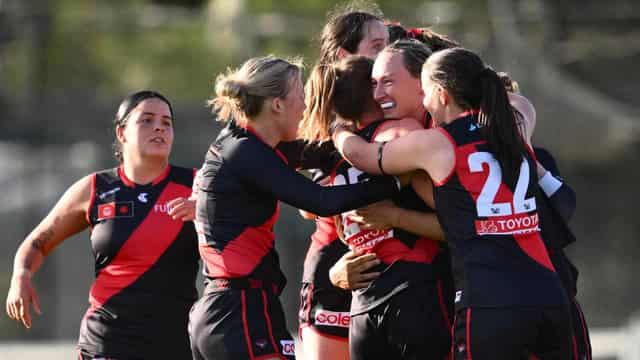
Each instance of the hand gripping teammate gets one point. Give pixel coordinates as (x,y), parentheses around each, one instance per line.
(510,303)
(239,315)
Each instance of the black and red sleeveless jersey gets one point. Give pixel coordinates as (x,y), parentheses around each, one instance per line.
(499,256)
(406,257)
(242,180)
(145,265)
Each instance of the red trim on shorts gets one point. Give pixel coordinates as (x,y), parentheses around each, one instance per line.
(587,341)
(92,199)
(575,347)
(468,332)
(321,334)
(443,306)
(245,325)
(453,169)
(268,319)
(453,339)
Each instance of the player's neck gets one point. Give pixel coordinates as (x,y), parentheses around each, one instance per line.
(267,130)
(144,172)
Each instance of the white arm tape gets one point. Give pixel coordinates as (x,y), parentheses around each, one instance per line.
(549,184)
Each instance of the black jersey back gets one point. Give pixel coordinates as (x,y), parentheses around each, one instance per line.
(499,257)
(145,265)
(242,180)
(406,257)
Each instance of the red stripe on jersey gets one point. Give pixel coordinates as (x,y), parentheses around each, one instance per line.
(393,249)
(241,255)
(141,250)
(473,182)
(325,233)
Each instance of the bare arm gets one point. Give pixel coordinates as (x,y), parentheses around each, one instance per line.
(67,218)
(427,150)
(528,112)
(385,215)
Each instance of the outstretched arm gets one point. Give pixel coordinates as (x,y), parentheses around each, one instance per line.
(67,217)
(267,172)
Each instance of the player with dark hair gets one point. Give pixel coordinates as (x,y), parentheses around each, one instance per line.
(144,246)
(510,303)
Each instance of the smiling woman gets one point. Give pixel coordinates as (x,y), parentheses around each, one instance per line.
(243,179)
(143,243)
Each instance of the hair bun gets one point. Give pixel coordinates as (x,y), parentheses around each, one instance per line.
(229,87)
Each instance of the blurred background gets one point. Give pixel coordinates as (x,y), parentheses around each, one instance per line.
(65,65)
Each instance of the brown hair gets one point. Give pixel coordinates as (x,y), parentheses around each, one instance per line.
(345,29)
(435,41)
(473,85)
(344,88)
(414,54)
(241,93)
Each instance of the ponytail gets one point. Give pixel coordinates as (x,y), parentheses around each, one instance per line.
(500,127)
(318,115)
(473,85)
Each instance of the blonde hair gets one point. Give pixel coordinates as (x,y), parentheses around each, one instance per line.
(241,93)
(319,111)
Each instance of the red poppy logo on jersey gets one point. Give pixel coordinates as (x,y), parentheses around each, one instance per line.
(115,210)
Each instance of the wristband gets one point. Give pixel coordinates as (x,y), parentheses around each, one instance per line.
(549,184)
(380,149)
